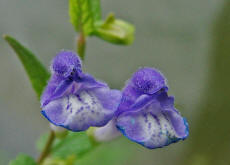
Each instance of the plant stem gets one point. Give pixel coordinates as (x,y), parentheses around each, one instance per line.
(47,147)
(81,43)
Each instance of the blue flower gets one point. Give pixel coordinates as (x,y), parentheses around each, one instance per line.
(74,99)
(146,114)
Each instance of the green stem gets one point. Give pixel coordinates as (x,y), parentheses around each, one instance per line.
(47,148)
(81,44)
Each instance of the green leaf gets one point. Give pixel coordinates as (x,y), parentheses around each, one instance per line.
(40,143)
(23,160)
(37,73)
(75,143)
(57,161)
(95,10)
(84,14)
(112,153)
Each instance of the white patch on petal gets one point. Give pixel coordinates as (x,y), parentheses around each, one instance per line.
(148,129)
(158,130)
(80,111)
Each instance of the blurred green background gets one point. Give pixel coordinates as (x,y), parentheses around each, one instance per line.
(189,41)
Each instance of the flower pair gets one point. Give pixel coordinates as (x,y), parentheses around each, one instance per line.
(143,111)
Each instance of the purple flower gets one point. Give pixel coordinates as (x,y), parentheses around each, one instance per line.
(75,100)
(146,114)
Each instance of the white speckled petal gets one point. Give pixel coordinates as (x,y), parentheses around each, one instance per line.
(77,112)
(150,127)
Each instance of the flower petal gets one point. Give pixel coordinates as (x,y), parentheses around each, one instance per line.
(155,124)
(77,112)
(146,81)
(64,63)
(107,132)
(89,82)
(53,83)
(180,124)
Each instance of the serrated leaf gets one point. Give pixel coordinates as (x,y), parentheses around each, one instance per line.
(36,72)
(23,160)
(75,143)
(84,14)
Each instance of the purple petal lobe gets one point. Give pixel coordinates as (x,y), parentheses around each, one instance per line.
(53,84)
(79,112)
(153,125)
(148,80)
(146,114)
(65,63)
